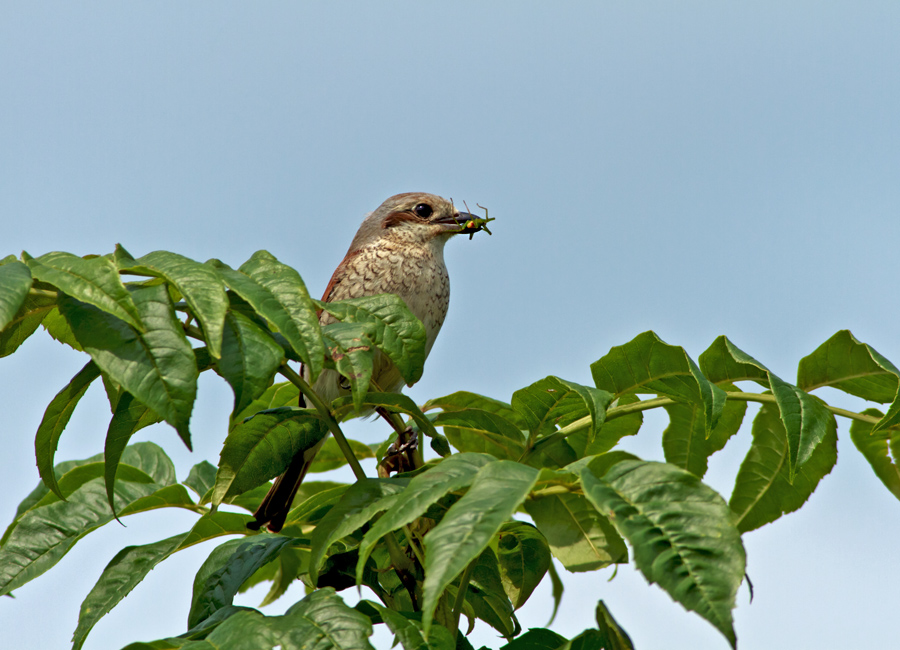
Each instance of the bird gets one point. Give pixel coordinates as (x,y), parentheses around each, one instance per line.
(398,249)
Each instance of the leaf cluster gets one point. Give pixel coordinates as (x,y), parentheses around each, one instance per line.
(470,533)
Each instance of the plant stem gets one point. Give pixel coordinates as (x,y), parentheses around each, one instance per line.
(292,376)
(461,599)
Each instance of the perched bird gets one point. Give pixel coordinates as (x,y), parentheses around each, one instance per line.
(398,249)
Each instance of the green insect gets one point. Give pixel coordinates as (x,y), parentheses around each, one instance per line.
(474,225)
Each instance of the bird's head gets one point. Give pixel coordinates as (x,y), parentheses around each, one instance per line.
(416,218)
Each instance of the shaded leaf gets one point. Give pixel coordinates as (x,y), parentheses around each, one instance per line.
(685,441)
(276,395)
(454,473)
(225,570)
(498,490)
(880,449)
(763,490)
(523,556)
(263,446)
(249,359)
(682,533)
(552,402)
(201,478)
(352,352)
(25,322)
(612,635)
(481,431)
(55,419)
(331,457)
(462,400)
(408,632)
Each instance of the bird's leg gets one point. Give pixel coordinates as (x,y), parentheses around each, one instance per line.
(401,455)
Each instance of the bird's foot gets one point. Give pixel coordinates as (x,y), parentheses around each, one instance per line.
(401,455)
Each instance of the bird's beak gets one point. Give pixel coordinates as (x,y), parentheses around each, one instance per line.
(456,223)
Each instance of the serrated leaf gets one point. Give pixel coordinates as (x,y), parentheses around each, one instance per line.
(200,286)
(55,419)
(43,535)
(408,631)
(393,328)
(498,490)
(263,447)
(59,328)
(15,281)
(454,473)
(763,489)
(646,364)
(249,360)
(523,555)
(299,328)
(121,575)
(804,417)
(880,449)
(359,503)
(480,431)
(94,281)
(157,367)
(225,570)
(682,533)
(579,536)
(856,368)
(287,289)
(462,400)
(685,441)
(552,402)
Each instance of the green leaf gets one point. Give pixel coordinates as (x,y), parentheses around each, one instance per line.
(763,489)
(226,569)
(394,329)
(553,402)
(498,490)
(291,564)
(682,533)
(805,418)
(351,350)
(685,441)
(361,501)
(481,431)
(523,556)
(408,632)
(300,328)
(201,478)
(613,636)
(454,473)
(290,295)
(121,575)
(200,286)
(396,402)
(58,327)
(314,504)
(276,395)
(249,359)
(157,367)
(536,639)
(337,625)
(25,322)
(844,363)
(45,533)
(15,281)
(880,449)
(646,364)
(462,400)
(486,596)
(130,416)
(55,419)
(331,457)
(263,447)
(579,536)
(94,281)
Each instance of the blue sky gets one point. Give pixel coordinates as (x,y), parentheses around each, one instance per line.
(696,169)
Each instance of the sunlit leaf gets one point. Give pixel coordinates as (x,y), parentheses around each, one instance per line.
(249,359)
(15,281)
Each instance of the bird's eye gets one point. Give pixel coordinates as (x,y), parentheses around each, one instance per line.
(423,210)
